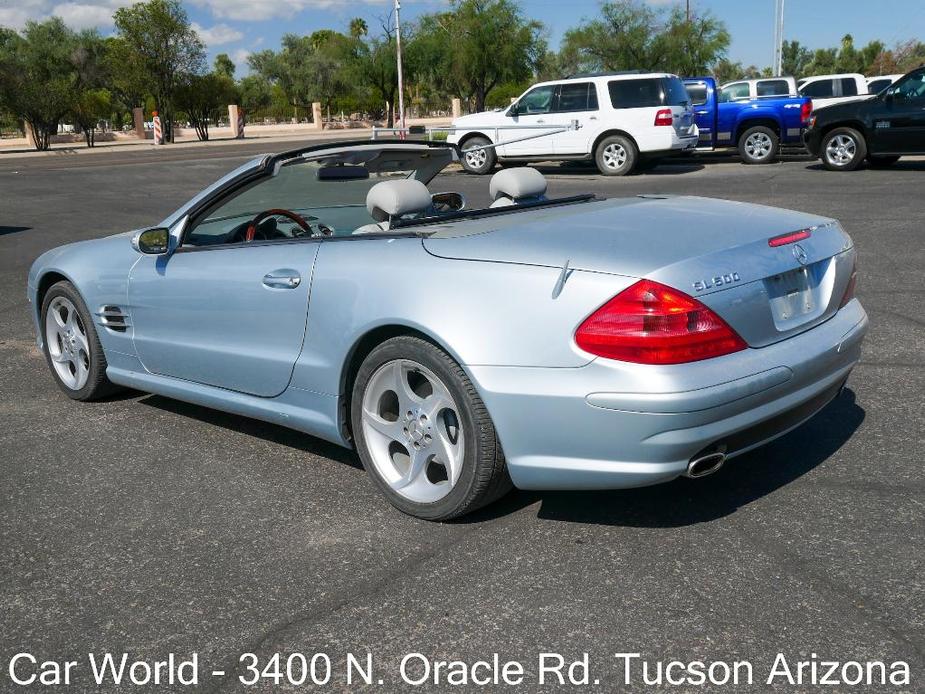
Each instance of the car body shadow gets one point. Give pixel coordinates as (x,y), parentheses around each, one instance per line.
(12,230)
(904,164)
(679,503)
(685,502)
(670,166)
(255,427)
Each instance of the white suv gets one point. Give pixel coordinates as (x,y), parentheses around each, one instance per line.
(625,120)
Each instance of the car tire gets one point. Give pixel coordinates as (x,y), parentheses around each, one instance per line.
(439,458)
(616,155)
(843,149)
(71,345)
(881,162)
(759,145)
(480,162)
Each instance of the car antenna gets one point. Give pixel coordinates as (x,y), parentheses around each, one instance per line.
(560,283)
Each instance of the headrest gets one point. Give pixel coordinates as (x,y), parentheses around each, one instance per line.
(517,183)
(395,198)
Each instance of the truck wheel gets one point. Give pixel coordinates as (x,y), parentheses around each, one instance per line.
(478,161)
(759,145)
(843,149)
(881,162)
(615,156)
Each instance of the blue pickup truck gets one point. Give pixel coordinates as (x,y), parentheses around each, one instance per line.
(757,126)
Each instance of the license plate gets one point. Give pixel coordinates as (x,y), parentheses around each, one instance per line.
(791,295)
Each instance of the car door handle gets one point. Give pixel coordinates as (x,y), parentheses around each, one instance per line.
(702,113)
(592,117)
(282,279)
(540,121)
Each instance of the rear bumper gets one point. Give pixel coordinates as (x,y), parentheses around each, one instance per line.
(610,425)
(812,141)
(666,140)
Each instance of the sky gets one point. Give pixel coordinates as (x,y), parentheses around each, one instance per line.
(239,27)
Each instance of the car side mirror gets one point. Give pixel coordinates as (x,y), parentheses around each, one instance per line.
(448,202)
(154,241)
(514,111)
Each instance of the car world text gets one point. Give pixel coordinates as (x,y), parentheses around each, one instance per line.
(416,669)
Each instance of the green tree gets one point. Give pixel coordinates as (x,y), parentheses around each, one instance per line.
(37,76)
(690,46)
(822,62)
(92,102)
(848,59)
(255,93)
(376,69)
(203,98)
(224,65)
(160,39)
(358,28)
(622,38)
(795,58)
(127,78)
(308,68)
(482,44)
(89,107)
(631,35)
(867,56)
(727,71)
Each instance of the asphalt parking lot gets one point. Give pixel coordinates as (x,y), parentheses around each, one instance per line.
(148,525)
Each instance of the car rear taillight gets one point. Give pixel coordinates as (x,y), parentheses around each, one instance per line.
(789,237)
(852,283)
(664,117)
(650,323)
(806,111)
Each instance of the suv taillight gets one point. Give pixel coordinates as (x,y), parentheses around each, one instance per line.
(650,323)
(806,111)
(664,117)
(852,284)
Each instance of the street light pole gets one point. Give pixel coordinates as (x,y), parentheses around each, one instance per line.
(401,86)
(778,36)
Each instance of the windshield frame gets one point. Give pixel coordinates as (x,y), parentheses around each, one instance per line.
(269,166)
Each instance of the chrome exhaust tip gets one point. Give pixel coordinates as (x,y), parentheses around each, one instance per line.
(704,465)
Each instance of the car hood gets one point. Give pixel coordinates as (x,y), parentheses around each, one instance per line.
(842,109)
(480,118)
(645,236)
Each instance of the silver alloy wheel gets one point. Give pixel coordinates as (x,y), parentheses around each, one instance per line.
(758,145)
(476,158)
(614,156)
(412,429)
(841,150)
(68,346)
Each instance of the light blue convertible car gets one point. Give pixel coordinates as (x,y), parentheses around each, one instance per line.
(550,343)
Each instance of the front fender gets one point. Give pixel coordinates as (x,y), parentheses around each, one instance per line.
(99,271)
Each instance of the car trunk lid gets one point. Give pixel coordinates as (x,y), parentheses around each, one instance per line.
(714,250)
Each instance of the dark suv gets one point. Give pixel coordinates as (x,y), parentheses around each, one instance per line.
(879,128)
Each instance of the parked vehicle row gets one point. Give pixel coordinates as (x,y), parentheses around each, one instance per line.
(629,121)
(626,120)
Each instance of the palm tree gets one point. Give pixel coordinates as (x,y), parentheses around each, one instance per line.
(358,27)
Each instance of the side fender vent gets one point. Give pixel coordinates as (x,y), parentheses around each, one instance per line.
(113,318)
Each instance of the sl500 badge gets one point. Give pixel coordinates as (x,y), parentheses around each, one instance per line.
(716,281)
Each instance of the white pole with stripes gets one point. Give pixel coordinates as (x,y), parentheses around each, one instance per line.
(401,86)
